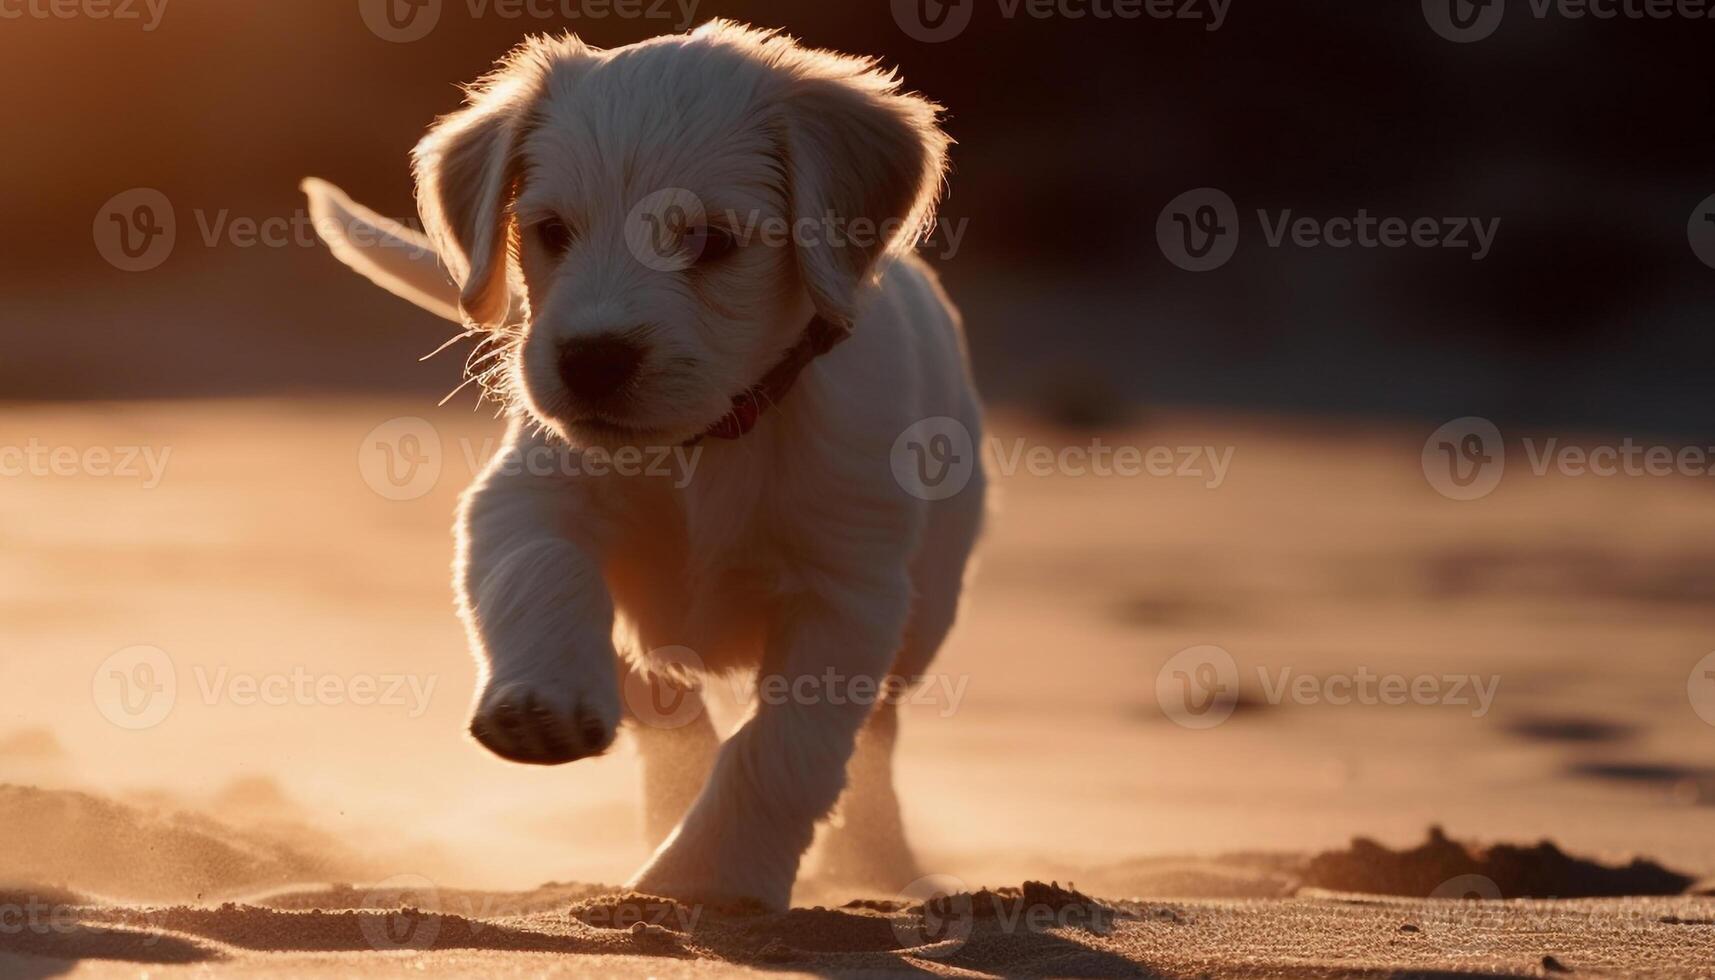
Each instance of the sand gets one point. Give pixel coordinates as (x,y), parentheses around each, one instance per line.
(1039,929)
(238,836)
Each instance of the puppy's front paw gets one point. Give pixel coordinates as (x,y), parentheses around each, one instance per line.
(542,724)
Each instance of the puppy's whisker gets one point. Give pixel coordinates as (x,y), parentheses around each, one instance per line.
(473,332)
(466,383)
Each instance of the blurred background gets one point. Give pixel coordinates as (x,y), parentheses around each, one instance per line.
(266,369)
(1585,138)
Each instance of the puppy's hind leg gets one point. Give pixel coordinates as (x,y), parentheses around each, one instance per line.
(678,744)
(865,843)
(784,768)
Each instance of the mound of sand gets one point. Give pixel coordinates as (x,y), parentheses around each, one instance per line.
(1445,868)
(145,854)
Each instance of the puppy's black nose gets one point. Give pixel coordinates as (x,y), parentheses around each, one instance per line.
(594,369)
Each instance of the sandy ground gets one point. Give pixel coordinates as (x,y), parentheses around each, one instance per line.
(245,684)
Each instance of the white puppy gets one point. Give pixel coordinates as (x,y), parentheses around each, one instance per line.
(666,245)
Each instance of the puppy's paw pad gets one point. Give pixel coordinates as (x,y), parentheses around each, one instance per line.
(522,723)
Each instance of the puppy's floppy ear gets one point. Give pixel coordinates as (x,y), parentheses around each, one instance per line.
(866,160)
(468,168)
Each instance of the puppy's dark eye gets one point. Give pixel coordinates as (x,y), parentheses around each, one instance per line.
(554,234)
(710,244)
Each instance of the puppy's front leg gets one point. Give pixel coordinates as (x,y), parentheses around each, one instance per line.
(538,612)
(784,768)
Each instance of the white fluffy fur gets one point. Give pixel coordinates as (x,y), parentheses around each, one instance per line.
(794,551)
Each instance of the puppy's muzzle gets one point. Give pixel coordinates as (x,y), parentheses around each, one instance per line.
(597,369)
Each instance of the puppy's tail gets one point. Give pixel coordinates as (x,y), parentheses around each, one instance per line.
(400,260)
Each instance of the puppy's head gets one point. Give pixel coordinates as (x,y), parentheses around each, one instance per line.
(652,227)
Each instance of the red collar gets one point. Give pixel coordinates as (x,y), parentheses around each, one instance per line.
(820,337)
